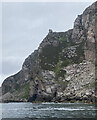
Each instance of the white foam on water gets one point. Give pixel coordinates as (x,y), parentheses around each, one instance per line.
(62,103)
(65,109)
(48,103)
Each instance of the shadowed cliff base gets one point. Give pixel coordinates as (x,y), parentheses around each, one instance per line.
(49,119)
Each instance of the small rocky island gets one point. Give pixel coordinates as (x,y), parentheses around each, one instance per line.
(62,69)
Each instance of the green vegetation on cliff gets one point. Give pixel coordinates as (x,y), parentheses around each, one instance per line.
(49,57)
(26,91)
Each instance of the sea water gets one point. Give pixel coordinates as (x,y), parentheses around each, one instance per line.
(48,110)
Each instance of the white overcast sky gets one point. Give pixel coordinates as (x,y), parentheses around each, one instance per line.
(24,25)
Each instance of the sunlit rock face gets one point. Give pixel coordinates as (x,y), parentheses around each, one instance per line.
(63,67)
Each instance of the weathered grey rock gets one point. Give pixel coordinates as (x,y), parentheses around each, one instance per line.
(61,69)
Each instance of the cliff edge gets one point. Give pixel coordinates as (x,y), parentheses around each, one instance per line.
(62,68)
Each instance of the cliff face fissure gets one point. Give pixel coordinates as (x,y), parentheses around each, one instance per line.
(62,69)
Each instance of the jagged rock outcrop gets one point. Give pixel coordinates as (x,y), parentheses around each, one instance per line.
(63,67)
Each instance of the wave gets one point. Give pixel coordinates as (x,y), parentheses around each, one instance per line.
(65,109)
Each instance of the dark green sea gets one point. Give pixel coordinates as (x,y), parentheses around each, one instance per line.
(54,111)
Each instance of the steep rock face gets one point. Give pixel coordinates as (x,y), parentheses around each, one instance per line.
(16,81)
(84,30)
(61,69)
